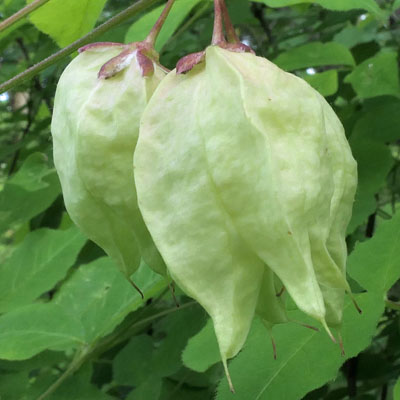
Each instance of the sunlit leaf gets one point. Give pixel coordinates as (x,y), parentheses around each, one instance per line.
(100,296)
(325,82)
(376,76)
(335,5)
(314,54)
(66,21)
(396,391)
(139,30)
(306,359)
(31,329)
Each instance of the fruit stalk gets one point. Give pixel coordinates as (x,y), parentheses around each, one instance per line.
(218,31)
(229,28)
(152,36)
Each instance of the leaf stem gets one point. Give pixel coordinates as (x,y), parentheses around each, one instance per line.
(21,14)
(134,9)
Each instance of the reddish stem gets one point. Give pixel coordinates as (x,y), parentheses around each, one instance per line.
(218,33)
(152,36)
(230,30)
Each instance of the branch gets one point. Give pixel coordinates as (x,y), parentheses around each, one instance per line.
(134,9)
(392,305)
(21,14)
(76,363)
(87,352)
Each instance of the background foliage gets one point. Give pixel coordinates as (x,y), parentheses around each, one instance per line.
(72,328)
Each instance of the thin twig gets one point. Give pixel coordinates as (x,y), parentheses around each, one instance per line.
(76,363)
(392,305)
(31,107)
(29,123)
(129,12)
(21,14)
(88,352)
(152,36)
(113,341)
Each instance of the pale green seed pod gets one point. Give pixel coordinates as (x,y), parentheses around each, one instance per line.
(237,163)
(95,128)
(197,238)
(292,138)
(328,236)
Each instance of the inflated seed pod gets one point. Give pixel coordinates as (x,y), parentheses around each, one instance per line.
(182,207)
(263,157)
(95,128)
(268,150)
(328,236)
(291,169)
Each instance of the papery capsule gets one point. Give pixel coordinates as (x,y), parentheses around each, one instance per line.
(95,127)
(240,162)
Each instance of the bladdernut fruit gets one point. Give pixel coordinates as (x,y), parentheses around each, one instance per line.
(243,169)
(99,101)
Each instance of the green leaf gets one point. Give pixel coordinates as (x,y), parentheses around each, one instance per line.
(67,21)
(315,54)
(36,265)
(138,352)
(352,35)
(364,206)
(396,391)
(306,359)
(179,327)
(374,264)
(396,5)
(165,359)
(173,390)
(44,359)
(374,163)
(26,194)
(376,76)
(377,127)
(325,82)
(335,5)
(76,387)
(140,29)
(13,386)
(100,296)
(31,174)
(29,330)
(150,389)
(380,121)
(202,350)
